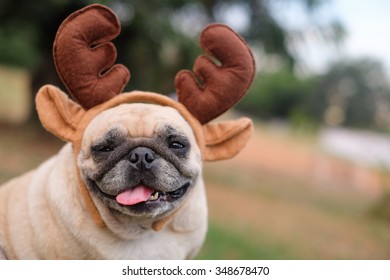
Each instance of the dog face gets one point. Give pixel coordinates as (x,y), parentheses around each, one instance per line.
(140,159)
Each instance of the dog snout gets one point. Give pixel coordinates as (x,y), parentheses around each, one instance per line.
(142,158)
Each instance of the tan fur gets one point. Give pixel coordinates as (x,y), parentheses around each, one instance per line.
(49,213)
(42,214)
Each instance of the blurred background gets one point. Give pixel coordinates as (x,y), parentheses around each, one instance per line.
(313,182)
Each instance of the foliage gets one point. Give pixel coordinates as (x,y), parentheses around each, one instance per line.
(277,95)
(353,93)
(156,39)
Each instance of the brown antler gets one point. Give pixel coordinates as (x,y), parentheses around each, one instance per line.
(84,57)
(212,89)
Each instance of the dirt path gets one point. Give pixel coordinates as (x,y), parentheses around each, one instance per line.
(298,159)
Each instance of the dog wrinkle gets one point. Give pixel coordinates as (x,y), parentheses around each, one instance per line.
(111,140)
(125,127)
(107,162)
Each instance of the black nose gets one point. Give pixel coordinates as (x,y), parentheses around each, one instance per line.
(142,157)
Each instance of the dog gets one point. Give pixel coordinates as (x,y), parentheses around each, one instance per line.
(128,184)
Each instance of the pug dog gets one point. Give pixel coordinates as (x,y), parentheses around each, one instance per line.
(128,184)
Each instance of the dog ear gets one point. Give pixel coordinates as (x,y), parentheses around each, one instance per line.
(226,139)
(58,114)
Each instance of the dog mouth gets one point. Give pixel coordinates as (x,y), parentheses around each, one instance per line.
(142,194)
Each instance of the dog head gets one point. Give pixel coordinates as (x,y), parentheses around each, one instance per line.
(140,159)
(140,153)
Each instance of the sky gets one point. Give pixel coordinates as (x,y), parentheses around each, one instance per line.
(366,23)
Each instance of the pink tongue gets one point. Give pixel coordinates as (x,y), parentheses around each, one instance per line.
(135,195)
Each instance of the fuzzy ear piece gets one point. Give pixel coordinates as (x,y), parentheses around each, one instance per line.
(226,139)
(58,114)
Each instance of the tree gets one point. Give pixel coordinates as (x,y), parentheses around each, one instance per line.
(277,95)
(353,93)
(157,38)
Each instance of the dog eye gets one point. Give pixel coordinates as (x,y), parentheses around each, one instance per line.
(102,149)
(176,145)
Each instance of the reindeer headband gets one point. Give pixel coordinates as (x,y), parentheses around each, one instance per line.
(85,57)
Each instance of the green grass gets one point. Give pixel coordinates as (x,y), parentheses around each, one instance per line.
(224,243)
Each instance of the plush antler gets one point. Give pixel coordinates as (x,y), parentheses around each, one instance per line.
(84,57)
(212,89)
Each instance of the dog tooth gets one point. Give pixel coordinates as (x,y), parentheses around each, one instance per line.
(154,196)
